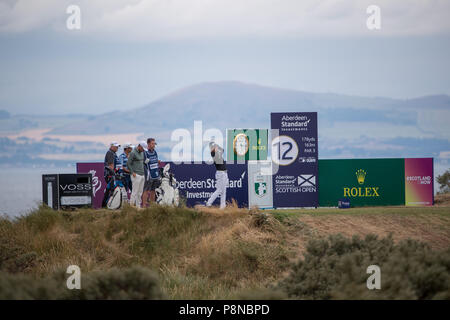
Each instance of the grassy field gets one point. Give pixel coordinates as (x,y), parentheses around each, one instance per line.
(199,253)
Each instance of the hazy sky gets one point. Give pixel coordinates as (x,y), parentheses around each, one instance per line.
(128,53)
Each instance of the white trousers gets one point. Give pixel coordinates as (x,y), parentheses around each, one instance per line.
(221,189)
(138,188)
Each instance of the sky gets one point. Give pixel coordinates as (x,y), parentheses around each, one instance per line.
(128,53)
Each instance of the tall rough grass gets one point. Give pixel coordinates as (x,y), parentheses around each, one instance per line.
(195,253)
(206,253)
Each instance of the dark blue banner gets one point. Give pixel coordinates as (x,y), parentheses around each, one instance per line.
(294,159)
(196,182)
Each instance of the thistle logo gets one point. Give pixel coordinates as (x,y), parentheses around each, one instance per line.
(361,176)
(361,191)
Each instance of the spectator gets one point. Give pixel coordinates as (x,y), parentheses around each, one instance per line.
(152,176)
(135,165)
(123,159)
(111,162)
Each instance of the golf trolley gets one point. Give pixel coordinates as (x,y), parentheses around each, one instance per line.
(167,193)
(117,192)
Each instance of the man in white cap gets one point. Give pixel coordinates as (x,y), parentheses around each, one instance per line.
(111,162)
(135,165)
(221,176)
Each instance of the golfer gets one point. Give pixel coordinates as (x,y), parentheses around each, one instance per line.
(221,176)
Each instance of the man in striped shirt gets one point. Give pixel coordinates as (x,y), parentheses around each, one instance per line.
(123,160)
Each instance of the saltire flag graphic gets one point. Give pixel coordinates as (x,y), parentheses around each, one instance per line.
(307,180)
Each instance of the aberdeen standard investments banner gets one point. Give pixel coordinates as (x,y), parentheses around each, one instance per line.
(196,182)
(294,159)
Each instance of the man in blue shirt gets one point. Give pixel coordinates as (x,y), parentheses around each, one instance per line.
(123,160)
(152,175)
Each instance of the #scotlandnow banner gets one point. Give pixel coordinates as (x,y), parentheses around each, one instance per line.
(419,187)
(294,158)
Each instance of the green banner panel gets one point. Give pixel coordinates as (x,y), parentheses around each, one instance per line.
(246,144)
(366,182)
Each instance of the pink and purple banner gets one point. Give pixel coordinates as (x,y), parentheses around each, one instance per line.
(419,189)
(98,181)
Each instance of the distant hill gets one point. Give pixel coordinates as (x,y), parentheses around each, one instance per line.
(236,104)
(349,126)
(4,114)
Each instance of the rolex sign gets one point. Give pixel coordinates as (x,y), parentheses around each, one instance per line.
(246,144)
(365,182)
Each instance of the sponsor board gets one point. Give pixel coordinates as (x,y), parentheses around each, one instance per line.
(365,182)
(294,159)
(67,190)
(419,186)
(344,203)
(246,144)
(96,169)
(75,189)
(260,184)
(196,182)
(50,190)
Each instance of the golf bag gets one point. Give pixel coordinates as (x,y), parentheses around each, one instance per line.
(167,193)
(117,192)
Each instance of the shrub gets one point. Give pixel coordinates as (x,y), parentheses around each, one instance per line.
(132,283)
(335,268)
(24,287)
